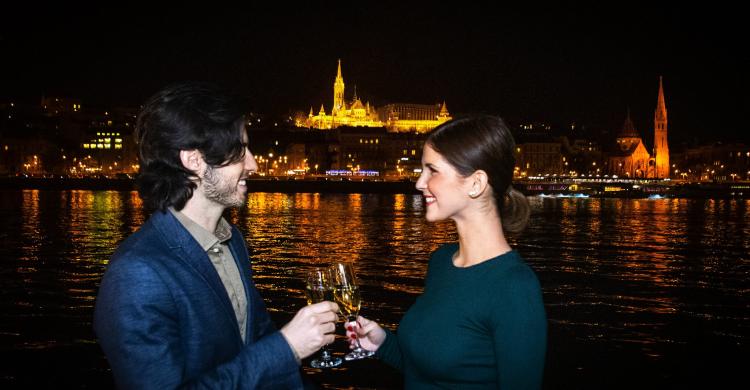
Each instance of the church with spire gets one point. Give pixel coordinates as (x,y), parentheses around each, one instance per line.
(661,146)
(394,117)
(630,157)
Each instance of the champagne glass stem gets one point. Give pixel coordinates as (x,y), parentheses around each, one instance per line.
(355,325)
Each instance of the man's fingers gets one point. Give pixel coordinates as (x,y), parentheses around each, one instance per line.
(329,327)
(326,317)
(322,307)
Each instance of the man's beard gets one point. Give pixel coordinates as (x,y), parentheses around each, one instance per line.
(217,189)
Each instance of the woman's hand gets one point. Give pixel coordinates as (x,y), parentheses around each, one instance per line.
(371,335)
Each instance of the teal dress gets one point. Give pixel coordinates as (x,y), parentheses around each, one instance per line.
(478,327)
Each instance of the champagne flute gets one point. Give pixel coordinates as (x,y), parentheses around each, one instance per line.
(346,294)
(318,288)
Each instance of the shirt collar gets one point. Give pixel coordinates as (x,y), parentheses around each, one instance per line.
(204,238)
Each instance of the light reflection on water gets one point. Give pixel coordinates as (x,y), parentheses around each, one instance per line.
(647,286)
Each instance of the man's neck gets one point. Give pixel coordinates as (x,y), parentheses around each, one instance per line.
(203,212)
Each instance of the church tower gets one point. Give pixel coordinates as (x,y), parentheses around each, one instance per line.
(661,147)
(628,137)
(338,93)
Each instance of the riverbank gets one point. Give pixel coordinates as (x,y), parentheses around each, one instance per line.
(634,190)
(279,185)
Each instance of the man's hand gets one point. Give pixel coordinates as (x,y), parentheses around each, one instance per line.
(311,328)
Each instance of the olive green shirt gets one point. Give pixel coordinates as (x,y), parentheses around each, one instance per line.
(215,245)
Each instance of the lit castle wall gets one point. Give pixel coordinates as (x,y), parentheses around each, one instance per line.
(394,117)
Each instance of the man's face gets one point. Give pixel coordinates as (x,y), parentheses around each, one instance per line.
(227,185)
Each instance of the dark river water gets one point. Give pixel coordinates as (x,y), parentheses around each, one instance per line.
(646,293)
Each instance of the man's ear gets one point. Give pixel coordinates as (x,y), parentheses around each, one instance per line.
(192,160)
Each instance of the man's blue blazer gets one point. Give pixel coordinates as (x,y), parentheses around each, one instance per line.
(164,319)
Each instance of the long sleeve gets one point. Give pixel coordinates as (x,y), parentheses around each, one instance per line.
(141,324)
(390,351)
(520,333)
(256,366)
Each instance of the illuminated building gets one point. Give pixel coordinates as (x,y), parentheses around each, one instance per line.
(104,140)
(379,150)
(394,117)
(108,146)
(715,162)
(420,118)
(343,113)
(661,146)
(539,158)
(631,158)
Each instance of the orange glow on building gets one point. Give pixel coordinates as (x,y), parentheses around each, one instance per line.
(661,146)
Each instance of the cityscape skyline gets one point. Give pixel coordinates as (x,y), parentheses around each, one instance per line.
(572,66)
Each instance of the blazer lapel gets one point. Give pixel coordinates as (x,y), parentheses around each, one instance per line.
(190,253)
(242,259)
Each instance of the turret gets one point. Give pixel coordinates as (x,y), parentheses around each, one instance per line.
(338,92)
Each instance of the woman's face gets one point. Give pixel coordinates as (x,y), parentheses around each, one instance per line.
(445,191)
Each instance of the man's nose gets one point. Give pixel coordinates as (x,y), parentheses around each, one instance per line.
(250,163)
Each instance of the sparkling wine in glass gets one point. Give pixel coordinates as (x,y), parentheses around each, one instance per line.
(346,294)
(318,288)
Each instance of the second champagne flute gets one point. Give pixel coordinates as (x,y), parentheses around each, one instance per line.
(346,293)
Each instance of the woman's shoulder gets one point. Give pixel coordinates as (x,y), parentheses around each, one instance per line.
(447,248)
(444,251)
(514,268)
(513,288)
(512,280)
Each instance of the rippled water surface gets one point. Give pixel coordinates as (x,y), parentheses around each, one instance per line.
(638,292)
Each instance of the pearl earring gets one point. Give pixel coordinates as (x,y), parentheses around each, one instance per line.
(472,193)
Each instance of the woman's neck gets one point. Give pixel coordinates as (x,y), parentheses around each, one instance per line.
(480,238)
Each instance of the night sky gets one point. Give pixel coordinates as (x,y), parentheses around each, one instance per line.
(585,65)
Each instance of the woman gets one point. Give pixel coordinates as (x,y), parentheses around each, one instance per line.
(480,322)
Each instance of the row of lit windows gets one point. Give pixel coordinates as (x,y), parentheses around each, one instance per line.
(108,140)
(107,134)
(544,127)
(101,146)
(369,141)
(413,152)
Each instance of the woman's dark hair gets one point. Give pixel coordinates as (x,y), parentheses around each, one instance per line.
(484,142)
(185,116)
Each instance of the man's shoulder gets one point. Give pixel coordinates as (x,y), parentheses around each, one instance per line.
(147,241)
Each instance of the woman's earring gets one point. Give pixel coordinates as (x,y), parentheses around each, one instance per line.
(472,193)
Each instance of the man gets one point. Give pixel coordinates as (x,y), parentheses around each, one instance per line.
(177,306)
